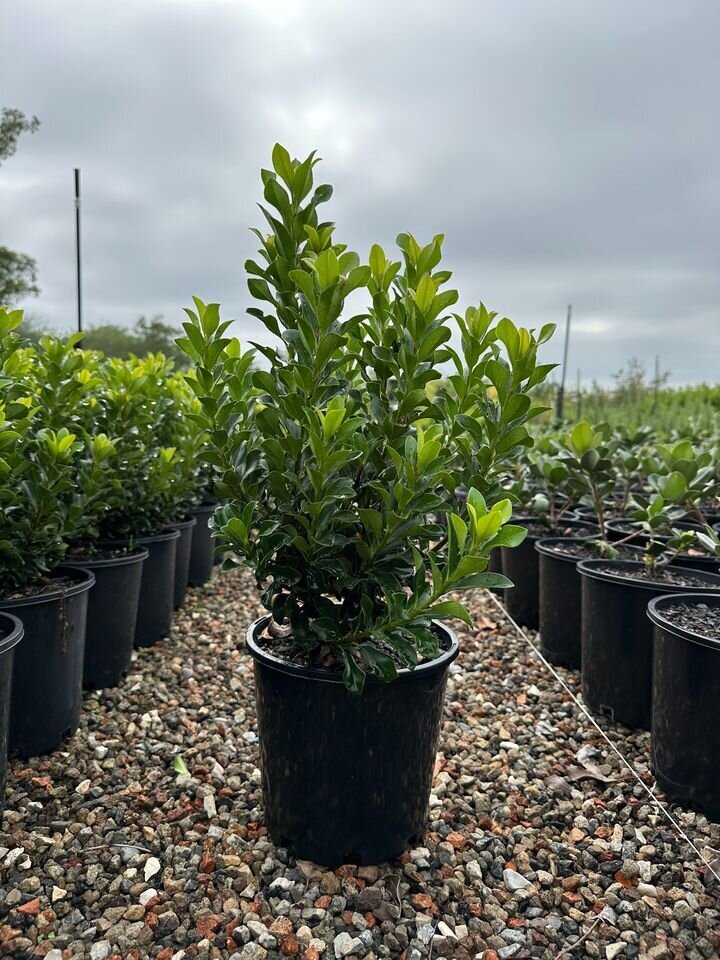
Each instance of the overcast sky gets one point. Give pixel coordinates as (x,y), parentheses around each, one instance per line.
(568,150)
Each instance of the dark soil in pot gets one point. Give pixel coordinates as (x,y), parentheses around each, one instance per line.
(11,633)
(520,564)
(157,586)
(182,558)
(112,614)
(202,546)
(346,779)
(617,642)
(48,664)
(686,706)
(560,597)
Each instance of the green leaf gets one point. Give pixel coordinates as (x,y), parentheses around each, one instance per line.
(380,663)
(451,608)
(179,765)
(327,269)
(282,164)
(488,580)
(425,293)
(353,675)
(674,486)
(581,437)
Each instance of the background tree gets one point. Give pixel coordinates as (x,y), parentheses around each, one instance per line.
(112,339)
(18,271)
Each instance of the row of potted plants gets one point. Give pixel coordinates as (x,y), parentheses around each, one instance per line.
(102,523)
(637,522)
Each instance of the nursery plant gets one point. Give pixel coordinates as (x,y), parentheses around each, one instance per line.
(137,406)
(39,459)
(691,470)
(335,456)
(39,463)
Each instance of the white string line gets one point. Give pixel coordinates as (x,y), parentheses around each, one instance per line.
(650,792)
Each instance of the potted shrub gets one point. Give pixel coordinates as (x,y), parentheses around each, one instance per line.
(584,457)
(333,463)
(37,477)
(67,381)
(148,497)
(549,514)
(685,715)
(616,636)
(184,432)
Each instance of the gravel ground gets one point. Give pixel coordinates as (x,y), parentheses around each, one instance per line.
(536,835)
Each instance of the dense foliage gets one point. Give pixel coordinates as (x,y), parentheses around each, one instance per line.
(338,460)
(89,448)
(663,490)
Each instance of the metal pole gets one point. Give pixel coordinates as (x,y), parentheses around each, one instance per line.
(78,257)
(561,392)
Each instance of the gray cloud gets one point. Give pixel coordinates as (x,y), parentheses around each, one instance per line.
(568,151)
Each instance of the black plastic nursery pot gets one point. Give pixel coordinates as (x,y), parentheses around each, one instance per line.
(112,617)
(11,633)
(182,558)
(559,603)
(520,565)
(495,565)
(346,778)
(686,707)
(617,637)
(202,546)
(48,664)
(157,585)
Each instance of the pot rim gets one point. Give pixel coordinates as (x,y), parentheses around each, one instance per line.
(573,522)
(13,638)
(138,555)
(183,524)
(85,578)
(171,534)
(590,569)
(329,676)
(543,547)
(654,612)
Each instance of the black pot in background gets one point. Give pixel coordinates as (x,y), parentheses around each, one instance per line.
(48,666)
(686,708)
(617,643)
(588,513)
(202,547)
(11,633)
(346,779)
(182,558)
(495,565)
(112,617)
(157,585)
(520,564)
(559,603)
(560,600)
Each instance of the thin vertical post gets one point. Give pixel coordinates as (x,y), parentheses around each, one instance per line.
(78,255)
(561,392)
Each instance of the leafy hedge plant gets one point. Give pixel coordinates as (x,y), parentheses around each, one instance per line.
(37,471)
(146,409)
(88,448)
(336,459)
